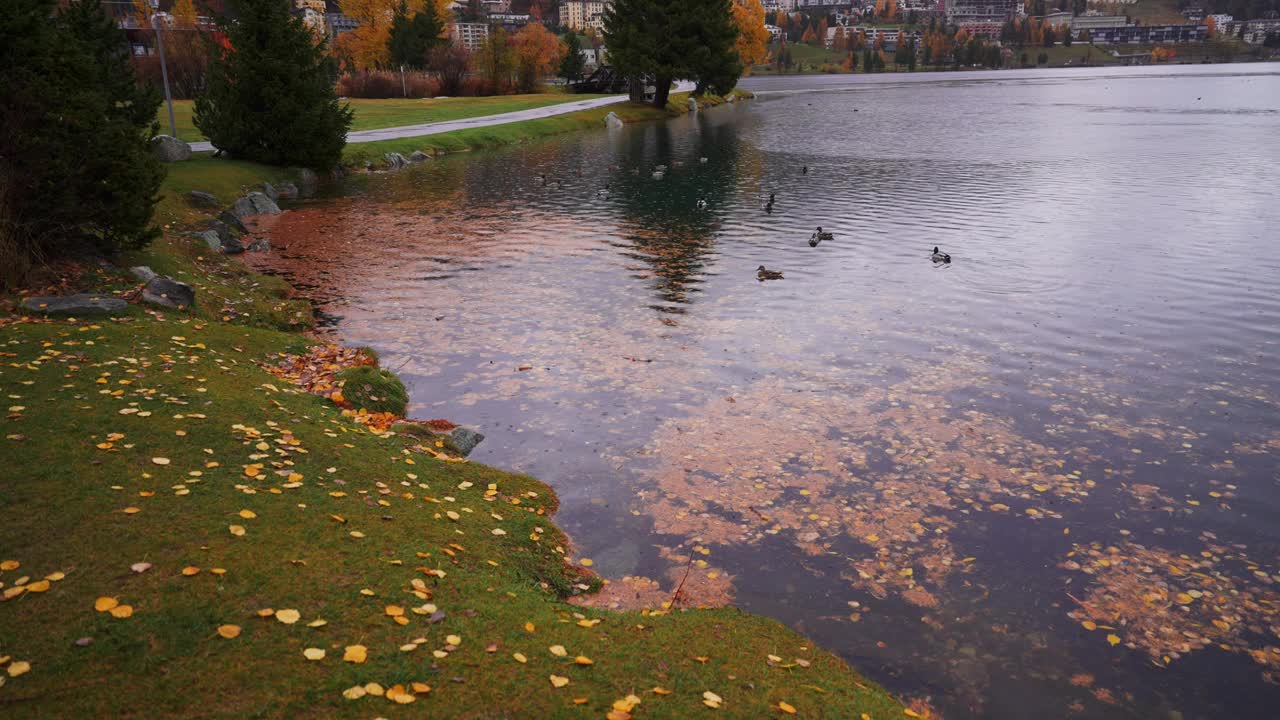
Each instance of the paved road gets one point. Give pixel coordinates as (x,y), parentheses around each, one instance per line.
(405,131)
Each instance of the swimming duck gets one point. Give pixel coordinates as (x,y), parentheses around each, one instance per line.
(702,204)
(763,273)
(657,174)
(542,178)
(804,170)
(702,160)
(818,236)
(604,191)
(939,256)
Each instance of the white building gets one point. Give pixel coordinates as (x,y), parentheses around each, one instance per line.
(579,15)
(774,31)
(469,35)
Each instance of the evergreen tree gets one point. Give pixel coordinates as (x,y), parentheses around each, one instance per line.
(670,39)
(76,173)
(572,66)
(714,63)
(868,64)
(911,56)
(271,97)
(412,39)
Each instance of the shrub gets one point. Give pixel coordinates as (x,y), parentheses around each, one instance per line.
(450,65)
(369,388)
(76,173)
(271,98)
(387,84)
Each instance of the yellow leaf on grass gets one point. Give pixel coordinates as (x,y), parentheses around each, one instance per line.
(1113,639)
(354,693)
(131,510)
(394,610)
(520,658)
(122,611)
(18,668)
(248,514)
(229,631)
(1089,625)
(786,708)
(587,562)
(160,460)
(237,530)
(658,690)
(190,570)
(318,622)
(559,681)
(355,654)
(313,654)
(584,660)
(288,616)
(7,565)
(103,604)
(528,627)
(558,650)
(38,586)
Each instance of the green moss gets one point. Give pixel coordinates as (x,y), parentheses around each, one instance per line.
(369,388)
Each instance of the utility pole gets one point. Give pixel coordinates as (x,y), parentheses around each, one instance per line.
(164,68)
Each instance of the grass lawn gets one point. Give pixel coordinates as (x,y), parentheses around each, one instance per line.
(292,556)
(1076,55)
(1155,12)
(372,114)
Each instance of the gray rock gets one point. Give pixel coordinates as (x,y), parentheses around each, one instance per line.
(395,160)
(232,246)
(419,156)
(210,238)
(263,204)
(307,181)
(465,439)
(258,245)
(227,224)
(270,192)
(288,191)
(170,149)
(612,121)
(202,199)
(242,208)
(83,304)
(169,293)
(143,273)
(693,105)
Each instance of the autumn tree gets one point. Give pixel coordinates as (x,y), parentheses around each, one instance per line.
(271,94)
(496,61)
(449,64)
(537,53)
(748,16)
(369,43)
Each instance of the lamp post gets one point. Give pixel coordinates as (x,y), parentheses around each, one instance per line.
(164,68)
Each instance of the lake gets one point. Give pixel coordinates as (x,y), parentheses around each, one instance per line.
(1040,480)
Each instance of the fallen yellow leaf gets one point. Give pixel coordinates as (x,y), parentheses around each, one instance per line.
(584,660)
(355,654)
(229,631)
(1113,639)
(520,658)
(559,681)
(103,604)
(190,570)
(237,530)
(558,650)
(18,668)
(160,460)
(122,611)
(288,616)
(313,654)
(786,708)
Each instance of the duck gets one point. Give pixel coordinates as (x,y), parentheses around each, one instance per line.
(604,191)
(702,160)
(702,204)
(939,257)
(542,178)
(818,236)
(804,170)
(657,174)
(763,273)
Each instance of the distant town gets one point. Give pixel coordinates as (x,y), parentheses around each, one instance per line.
(860,35)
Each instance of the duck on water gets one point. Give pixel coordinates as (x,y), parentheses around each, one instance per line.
(939,257)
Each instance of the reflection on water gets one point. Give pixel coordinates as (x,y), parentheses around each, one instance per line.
(1040,480)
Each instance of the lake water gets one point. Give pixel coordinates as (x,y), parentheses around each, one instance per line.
(1039,481)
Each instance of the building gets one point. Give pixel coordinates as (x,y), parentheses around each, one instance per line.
(1148,34)
(889,37)
(578,15)
(982,27)
(1094,22)
(337,23)
(312,14)
(775,32)
(960,10)
(511,22)
(1256,31)
(1057,18)
(1221,20)
(469,35)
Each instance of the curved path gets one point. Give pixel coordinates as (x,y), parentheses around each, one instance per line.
(435,128)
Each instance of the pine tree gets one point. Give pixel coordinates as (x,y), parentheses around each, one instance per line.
(411,39)
(714,63)
(271,97)
(670,39)
(571,67)
(76,173)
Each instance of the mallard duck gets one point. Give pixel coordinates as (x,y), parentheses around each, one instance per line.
(702,204)
(939,256)
(818,236)
(763,273)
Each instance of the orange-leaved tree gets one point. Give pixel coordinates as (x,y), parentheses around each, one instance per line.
(366,46)
(748,15)
(538,52)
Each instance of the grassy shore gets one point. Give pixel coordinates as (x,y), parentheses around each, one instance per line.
(275,529)
(373,114)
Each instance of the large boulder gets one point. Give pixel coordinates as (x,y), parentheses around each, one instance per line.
(202,199)
(168,148)
(227,223)
(693,105)
(465,439)
(395,160)
(270,191)
(83,304)
(255,203)
(612,121)
(307,181)
(169,293)
(211,238)
(288,191)
(419,156)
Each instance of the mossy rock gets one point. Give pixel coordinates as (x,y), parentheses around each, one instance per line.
(369,388)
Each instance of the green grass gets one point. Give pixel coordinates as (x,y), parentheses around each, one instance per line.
(174,415)
(1077,55)
(524,131)
(373,114)
(374,389)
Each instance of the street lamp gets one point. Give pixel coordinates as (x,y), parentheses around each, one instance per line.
(164,68)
